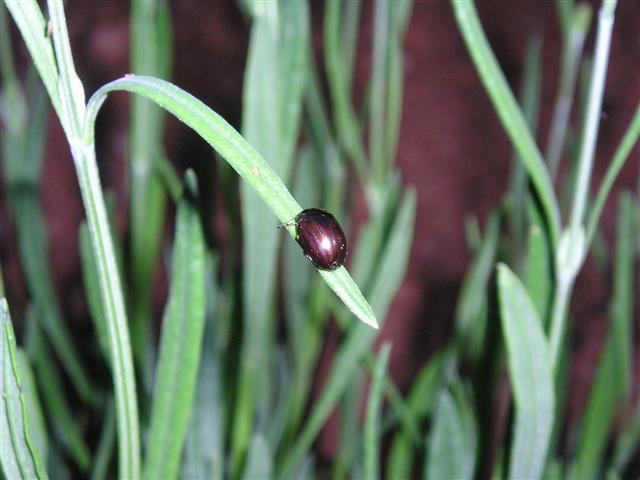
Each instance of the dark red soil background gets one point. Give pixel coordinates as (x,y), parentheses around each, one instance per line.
(452,149)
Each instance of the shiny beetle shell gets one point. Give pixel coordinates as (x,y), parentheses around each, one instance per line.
(321,238)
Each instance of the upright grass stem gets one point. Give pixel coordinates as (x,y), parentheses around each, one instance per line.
(67,96)
(594,106)
(571,250)
(123,370)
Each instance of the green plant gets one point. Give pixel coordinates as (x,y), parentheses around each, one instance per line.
(226,392)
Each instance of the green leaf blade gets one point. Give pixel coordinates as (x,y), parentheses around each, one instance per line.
(507,108)
(17,452)
(531,377)
(240,155)
(612,384)
(181,341)
(372,432)
(448,445)
(150,55)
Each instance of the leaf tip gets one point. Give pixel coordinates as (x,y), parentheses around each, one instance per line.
(369,318)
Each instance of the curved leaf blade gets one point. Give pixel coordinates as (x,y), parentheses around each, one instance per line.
(240,155)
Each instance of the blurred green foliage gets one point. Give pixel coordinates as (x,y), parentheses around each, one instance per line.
(230,389)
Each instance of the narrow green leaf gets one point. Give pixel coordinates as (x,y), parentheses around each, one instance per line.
(293,71)
(317,119)
(575,22)
(240,155)
(104,452)
(90,279)
(54,398)
(180,344)
(530,101)
(554,470)
(306,470)
(617,162)
(37,425)
(56,466)
(259,459)
(379,68)
(564,9)
(33,27)
(597,419)
(372,432)
(204,448)
(600,251)
(17,450)
(275,78)
(472,233)
(349,38)
(628,441)
(400,15)
(449,452)
(150,55)
(69,88)
(531,377)
(419,403)
(349,453)
(398,409)
(347,125)
(374,234)
(507,108)
(203,455)
(473,292)
(612,384)
(539,264)
(262,124)
(623,295)
(8,72)
(276,425)
(464,402)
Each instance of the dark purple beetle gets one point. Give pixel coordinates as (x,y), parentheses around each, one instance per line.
(321,238)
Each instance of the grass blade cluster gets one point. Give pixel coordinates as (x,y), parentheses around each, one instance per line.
(232,389)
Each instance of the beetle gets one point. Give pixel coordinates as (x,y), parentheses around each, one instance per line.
(321,238)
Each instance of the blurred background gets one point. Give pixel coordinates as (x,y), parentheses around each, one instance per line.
(452,149)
